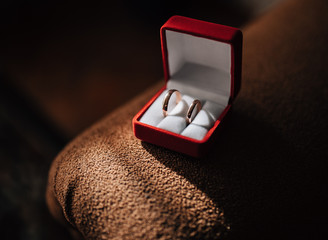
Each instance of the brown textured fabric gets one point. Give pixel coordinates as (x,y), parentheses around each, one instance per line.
(263,179)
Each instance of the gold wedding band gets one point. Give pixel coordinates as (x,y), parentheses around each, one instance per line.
(167,99)
(191,109)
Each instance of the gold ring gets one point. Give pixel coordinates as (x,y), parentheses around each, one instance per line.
(191,109)
(167,99)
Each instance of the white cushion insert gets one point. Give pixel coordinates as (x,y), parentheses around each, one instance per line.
(176,119)
(154,114)
(174,124)
(208,115)
(182,107)
(194,131)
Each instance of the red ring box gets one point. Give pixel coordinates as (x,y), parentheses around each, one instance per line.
(203,61)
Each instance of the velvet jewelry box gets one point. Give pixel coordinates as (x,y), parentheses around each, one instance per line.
(202,61)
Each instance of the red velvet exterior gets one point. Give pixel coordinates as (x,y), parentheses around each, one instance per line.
(203,29)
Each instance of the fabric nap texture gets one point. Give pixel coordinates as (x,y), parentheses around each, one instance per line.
(264,178)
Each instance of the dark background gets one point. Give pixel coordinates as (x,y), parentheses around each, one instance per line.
(62,67)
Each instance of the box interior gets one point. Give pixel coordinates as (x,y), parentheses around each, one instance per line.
(200,69)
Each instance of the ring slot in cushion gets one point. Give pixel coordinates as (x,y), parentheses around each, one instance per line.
(204,120)
(176,120)
(208,115)
(154,115)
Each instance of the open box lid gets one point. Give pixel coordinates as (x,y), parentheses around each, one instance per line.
(202,59)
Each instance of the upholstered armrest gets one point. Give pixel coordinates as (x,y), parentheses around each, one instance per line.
(262,179)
